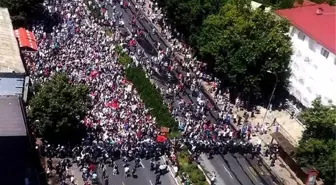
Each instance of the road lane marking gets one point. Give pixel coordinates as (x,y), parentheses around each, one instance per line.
(143,166)
(227,171)
(150,182)
(123,183)
(128,30)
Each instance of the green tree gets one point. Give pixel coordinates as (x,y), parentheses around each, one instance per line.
(278,4)
(317,146)
(330,2)
(187,15)
(23,12)
(57,109)
(243,45)
(319,121)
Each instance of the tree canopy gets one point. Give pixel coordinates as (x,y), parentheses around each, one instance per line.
(244,45)
(23,11)
(57,109)
(317,147)
(278,4)
(330,2)
(187,15)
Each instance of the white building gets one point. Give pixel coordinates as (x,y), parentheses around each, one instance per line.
(12,70)
(314,58)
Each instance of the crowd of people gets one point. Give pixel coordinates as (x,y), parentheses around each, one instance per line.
(119,125)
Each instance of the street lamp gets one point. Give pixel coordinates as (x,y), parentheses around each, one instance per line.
(270,100)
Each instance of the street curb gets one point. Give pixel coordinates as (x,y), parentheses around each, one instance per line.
(204,173)
(206,176)
(176,178)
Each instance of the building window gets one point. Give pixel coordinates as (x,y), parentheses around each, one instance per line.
(312,45)
(301,36)
(324,52)
(293,31)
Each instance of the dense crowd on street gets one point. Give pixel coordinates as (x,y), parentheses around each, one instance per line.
(119,125)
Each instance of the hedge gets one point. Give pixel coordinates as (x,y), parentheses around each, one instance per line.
(195,175)
(123,58)
(151,97)
(154,102)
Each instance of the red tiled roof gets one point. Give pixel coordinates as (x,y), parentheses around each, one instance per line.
(319,27)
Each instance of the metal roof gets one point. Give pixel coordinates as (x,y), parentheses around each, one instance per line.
(11,117)
(10,59)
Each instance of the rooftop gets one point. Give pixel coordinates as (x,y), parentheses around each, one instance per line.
(317,21)
(10,59)
(11,117)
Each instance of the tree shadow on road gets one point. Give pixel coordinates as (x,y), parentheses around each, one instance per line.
(263,178)
(227,163)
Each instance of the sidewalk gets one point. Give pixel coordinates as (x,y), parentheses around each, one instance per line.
(281,169)
(290,128)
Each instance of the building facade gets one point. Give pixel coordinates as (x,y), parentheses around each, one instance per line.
(314,52)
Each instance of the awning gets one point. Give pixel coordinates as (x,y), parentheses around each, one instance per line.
(284,143)
(161,139)
(26,39)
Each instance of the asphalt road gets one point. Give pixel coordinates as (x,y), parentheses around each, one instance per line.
(230,169)
(142,23)
(143,175)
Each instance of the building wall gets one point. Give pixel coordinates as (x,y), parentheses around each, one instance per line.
(12,84)
(313,74)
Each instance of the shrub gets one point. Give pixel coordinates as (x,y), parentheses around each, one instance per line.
(194,174)
(151,97)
